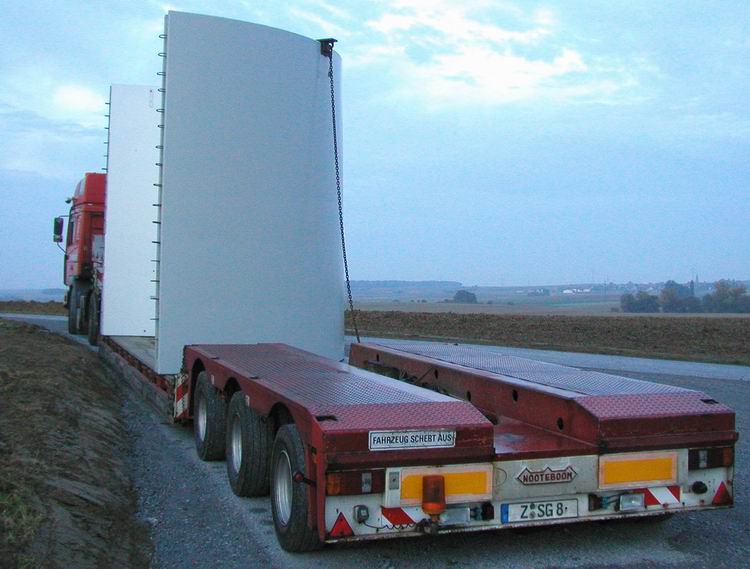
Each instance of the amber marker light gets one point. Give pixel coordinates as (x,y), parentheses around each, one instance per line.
(433,495)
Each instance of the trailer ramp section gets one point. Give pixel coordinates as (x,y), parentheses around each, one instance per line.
(542,409)
(349,414)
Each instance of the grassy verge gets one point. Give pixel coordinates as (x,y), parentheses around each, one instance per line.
(20,518)
(65,496)
(32,307)
(718,340)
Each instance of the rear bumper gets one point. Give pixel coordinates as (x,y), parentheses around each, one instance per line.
(411,521)
(422,530)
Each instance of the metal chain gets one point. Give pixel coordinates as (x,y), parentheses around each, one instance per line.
(338,195)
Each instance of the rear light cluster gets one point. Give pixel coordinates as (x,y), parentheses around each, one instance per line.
(433,495)
(700,458)
(352,482)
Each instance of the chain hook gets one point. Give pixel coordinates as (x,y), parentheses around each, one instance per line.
(326,49)
(326,46)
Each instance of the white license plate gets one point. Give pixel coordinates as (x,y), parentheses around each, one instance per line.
(539,511)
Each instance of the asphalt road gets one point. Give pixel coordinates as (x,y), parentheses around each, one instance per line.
(198,522)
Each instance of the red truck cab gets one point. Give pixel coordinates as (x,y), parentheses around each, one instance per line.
(84,247)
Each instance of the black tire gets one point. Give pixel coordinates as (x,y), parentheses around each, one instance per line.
(74,298)
(93,328)
(288,457)
(250,438)
(209,420)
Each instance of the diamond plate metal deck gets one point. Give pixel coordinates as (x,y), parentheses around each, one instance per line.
(358,399)
(551,375)
(604,410)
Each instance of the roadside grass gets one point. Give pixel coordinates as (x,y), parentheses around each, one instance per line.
(32,307)
(66,500)
(19,521)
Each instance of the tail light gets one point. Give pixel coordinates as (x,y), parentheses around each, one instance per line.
(700,458)
(433,495)
(353,482)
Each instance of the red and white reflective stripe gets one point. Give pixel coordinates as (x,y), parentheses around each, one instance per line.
(665,496)
(397,516)
(181,393)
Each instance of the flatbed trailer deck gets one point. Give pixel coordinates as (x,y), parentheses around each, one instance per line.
(511,441)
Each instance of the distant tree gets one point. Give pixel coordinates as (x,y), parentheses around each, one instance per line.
(641,302)
(692,304)
(647,302)
(465,297)
(727,297)
(627,302)
(675,297)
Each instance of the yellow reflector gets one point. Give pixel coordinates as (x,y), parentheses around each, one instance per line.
(462,483)
(637,469)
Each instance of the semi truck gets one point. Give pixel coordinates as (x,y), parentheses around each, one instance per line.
(84,248)
(392,439)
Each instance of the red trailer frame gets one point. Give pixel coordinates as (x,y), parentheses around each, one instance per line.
(504,410)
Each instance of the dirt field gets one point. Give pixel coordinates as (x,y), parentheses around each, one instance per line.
(720,340)
(65,496)
(551,307)
(32,307)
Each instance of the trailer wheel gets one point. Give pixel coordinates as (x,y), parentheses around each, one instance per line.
(248,448)
(289,499)
(209,420)
(93,331)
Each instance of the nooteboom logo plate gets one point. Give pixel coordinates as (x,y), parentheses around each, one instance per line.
(395,440)
(546,476)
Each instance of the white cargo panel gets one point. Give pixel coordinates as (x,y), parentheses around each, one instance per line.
(249,244)
(130,232)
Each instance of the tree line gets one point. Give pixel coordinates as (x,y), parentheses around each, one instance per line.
(727,297)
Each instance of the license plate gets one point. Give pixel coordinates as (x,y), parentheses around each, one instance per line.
(539,511)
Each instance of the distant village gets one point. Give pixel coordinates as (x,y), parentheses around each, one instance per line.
(667,296)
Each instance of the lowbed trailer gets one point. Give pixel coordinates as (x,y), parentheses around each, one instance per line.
(214,250)
(415,438)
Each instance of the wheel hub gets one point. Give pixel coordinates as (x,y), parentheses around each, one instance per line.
(282,485)
(236,444)
(202,413)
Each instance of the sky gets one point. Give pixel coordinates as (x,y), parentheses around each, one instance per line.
(487,142)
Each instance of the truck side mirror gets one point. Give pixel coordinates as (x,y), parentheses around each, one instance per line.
(58,230)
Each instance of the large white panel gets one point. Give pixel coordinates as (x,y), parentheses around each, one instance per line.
(250,247)
(129,251)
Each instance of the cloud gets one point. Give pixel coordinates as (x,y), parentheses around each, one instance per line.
(75,99)
(449,21)
(322,25)
(50,148)
(44,92)
(332,9)
(447,54)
